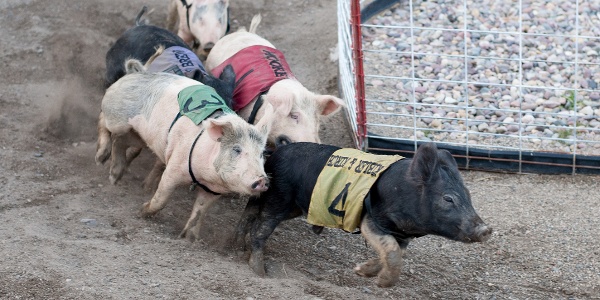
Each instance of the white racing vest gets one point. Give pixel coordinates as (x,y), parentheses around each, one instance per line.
(177,60)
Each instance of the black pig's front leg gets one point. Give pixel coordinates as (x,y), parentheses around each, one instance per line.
(247,220)
(387,266)
(258,237)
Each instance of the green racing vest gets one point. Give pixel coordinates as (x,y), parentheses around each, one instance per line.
(197,102)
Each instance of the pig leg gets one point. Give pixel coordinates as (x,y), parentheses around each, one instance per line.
(172,15)
(390,256)
(136,145)
(247,219)
(168,182)
(258,237)
(203,202)
(153,178)
(103,147)
(119,160)
(132,153)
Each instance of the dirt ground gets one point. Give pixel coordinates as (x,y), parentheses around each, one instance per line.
(66,233)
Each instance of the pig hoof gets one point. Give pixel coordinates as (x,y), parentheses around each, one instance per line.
(146,212)
(259,271)
(186,234)
(386,279)
(257,264)
(102,156)
(116,174)
(113,179)
(369,268)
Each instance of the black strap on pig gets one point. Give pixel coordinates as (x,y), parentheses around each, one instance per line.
(175,120)
(187,12)
(187,19)
(194,180)
(228,25)
(257,105)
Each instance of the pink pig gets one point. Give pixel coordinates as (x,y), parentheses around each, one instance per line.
(223,153)
(262,73)
(201,22)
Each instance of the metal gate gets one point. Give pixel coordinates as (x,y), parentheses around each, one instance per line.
(501,85)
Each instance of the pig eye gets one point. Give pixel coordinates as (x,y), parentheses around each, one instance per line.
(237,150)
(294,116)
(448,199)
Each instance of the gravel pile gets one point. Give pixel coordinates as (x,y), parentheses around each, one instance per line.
(556,109)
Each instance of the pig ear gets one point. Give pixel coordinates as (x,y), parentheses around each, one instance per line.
(134,66)
(217,128)
(156,54)
(329,104)
(198,76)
(282,102)
(447,159)
(265,122)
(425,163)
(228,76)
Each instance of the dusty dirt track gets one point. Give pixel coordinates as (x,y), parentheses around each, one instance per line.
(66,233)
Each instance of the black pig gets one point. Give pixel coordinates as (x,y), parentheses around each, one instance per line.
(142,41)
(413,197)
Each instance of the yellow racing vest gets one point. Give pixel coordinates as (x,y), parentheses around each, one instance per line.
(337,198)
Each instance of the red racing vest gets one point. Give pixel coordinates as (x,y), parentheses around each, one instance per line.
(256,68)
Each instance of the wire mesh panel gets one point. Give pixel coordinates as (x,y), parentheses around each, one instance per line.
(351,71)
(515,82)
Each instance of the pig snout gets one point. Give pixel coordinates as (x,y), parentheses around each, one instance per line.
(282,140)
(483,232)
(477,231)
(208,46)
(261,185)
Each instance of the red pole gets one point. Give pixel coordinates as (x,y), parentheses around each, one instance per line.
(359,73)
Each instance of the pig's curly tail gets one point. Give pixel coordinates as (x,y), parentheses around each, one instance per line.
(139,16)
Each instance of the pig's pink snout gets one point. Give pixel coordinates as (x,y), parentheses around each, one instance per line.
(261,185)
(483,232)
